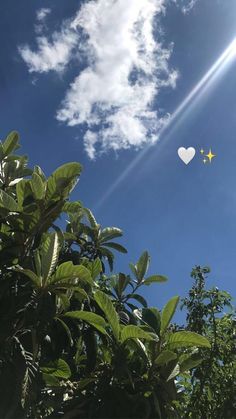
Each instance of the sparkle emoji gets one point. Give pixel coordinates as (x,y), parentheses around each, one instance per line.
(210,155)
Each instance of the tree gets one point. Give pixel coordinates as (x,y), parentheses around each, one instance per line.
(76,341)
(210,387)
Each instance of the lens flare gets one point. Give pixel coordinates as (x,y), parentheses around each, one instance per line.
(203,87)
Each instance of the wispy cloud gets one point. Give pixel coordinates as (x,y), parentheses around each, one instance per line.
(52,54)
(127,66)
(185,5)
(42,13)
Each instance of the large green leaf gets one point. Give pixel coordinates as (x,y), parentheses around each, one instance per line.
(7,202)
(58,368)
(134,332)
(95,268)
(142,265)
(38,186)
(164,357)
(188,362)
(93,319)
(168,312)
(115,246)
(154,278)
(67,271)
(49,255)
(138,298)
(30,274)
(152,317)
(107,307)
(109,233)
(187,339)
(62,181)
(11,143)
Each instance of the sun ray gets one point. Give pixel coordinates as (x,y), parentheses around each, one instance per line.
(180,114)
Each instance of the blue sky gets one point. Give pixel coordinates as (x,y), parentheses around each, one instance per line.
(78,86)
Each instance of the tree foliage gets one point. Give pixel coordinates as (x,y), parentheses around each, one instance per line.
(76,339)
(209,389)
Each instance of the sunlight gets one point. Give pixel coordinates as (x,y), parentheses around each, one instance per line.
(183,110)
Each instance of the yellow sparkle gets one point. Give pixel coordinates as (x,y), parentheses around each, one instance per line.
(210,155)
(202,151)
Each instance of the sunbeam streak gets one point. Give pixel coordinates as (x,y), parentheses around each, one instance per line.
(183,110)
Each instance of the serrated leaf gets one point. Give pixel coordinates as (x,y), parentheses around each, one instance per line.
(168,312)
(134,332)
(91,318)
(187,339)
(107,307)
(49,255)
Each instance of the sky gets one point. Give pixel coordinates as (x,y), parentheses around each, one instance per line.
(120,86)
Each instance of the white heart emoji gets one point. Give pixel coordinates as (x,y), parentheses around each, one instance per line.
(186,154)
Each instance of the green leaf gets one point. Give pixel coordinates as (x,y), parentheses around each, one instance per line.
(23,190)
(58,368)
(7,202)
(50,380)
(11,143)
(138,298)
(90,217)
(107,307)
(93,319)
(95,268)
(30,274)
(164,357)
(72,207)
(67,271)
(152,317)
(174,372)
(110,233)
(62,181)
(115,246)
(154,278)
(187,339)
(187,362)
(168,312)
(134,332)
(134,270)
(66,329)
(38,186)
(49,255)
(109,255)
(142,265)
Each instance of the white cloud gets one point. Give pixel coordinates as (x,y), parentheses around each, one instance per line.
(41,14)
(185,5)
(127,66)
(52,54)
